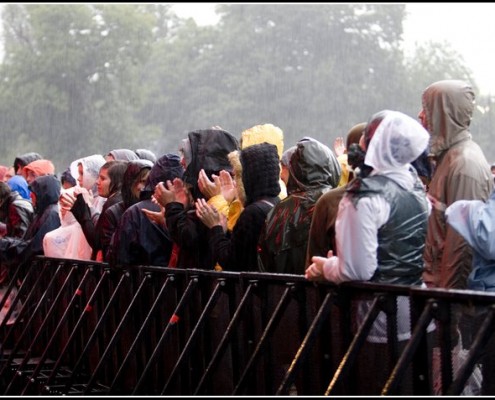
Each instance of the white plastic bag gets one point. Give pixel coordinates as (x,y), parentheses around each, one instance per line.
(459,357)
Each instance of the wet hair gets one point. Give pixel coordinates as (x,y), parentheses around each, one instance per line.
(66,176)
(116,170)
(372,124)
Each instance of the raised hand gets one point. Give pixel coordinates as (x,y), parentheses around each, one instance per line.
(227,186)
(209,215)
(157,217)
(207,187)
(164,195)
(339,146)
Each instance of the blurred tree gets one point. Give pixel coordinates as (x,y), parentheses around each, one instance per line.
(70,77)
(79,79)
(311,69)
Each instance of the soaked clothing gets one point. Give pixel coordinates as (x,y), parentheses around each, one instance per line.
(15,251)
(19,184)
(401,237)
(110,219)
(381,221)
(137,240)
(17,213)
(95,235)
(207,149)
(461,173)
(313,170)
(257,174)
(473,220)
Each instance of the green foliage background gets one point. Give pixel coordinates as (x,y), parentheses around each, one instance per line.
(80,79)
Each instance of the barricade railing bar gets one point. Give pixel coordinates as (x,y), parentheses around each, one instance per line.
(76,327)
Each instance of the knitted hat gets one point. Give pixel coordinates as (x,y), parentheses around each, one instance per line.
(260,171)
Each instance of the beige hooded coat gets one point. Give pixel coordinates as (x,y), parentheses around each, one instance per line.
(461,173)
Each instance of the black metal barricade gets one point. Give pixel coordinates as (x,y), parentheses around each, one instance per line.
(80,328)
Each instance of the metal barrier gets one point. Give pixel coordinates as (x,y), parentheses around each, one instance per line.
(79,328)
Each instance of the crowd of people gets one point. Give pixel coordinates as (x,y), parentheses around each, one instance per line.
(403,200)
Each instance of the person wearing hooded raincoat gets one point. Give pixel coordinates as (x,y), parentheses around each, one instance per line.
(87,170)
(69,241)
(19,184)
(108,184)
(284,164)
(313,170)
(145,154)
(137,240)
(16,252)
(257,175)
(38,168)
(266,133)
(15,211)
(321,236)
(122,154)
(474,221)
(232,207)
(134,181)
(24,159)
(461,173)
(45,192)
(16,214)
(381,229)
(208,150)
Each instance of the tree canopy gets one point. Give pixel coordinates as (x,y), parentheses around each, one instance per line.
(81,79)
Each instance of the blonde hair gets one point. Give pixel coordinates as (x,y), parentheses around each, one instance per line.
(263,133)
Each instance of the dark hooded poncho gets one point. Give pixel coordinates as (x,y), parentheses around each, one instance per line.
(209,150)
(137,240)
(313,170)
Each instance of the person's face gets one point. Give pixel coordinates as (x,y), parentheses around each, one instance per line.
(103,183)
(66,185)
(362,142)
(9,174)
(140,184)
(284,173)
(80,171)
(422,118)
(30,176)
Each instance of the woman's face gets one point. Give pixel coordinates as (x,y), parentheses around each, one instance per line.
(80,171)
(140,183)
(103,183)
